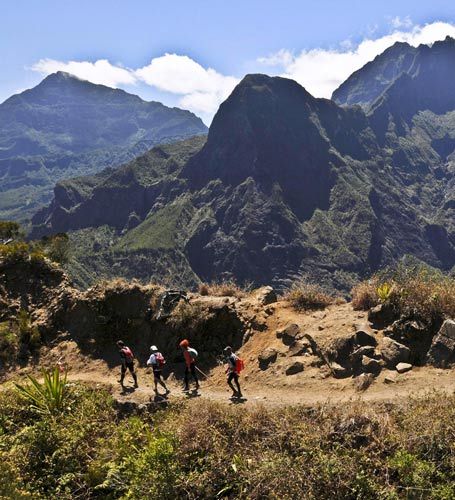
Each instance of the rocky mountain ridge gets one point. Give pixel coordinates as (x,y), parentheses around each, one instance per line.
(289,185)
(66,126)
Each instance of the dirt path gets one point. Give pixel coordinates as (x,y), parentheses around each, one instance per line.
(270,386)
(328,391)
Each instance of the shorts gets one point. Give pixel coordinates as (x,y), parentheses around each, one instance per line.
(157,374)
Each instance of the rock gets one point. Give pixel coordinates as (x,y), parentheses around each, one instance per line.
(364,336)
(294,368)
(442,349)
(339,371)
(265,295)
(363,381)
(371,365)
(381,315)
(403,367)
(289,334)
(267,357)
(299,348)
(340,349)
(389,379)
(393,352)
(367,350)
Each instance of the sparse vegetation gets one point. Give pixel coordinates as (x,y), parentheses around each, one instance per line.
(202,449)
(413,291)
(223,289)
(18,337)
(305,296)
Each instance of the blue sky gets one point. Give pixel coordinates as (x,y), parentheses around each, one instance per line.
(191,53)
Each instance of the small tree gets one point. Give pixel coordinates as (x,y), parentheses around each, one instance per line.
(9,229)
(58,247)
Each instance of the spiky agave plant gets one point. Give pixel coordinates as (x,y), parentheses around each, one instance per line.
(47,397)
(384,291)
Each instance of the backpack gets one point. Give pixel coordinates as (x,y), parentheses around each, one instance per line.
(129,356)
(160,359)
(239,365)
(193,353)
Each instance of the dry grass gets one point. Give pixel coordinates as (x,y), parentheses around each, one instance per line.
(365,295)
(222,289)
(429,295)
(305,296)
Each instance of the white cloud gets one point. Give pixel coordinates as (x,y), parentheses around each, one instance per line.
(100,72)
(202,89)
(321,71)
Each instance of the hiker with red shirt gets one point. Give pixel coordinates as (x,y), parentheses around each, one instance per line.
(234,366)
(157,361)
(190,356)
(127,360)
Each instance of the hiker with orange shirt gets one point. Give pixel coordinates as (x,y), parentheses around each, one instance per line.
(190,356)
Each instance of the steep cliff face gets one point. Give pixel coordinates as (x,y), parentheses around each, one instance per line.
(365,85)
(285,185)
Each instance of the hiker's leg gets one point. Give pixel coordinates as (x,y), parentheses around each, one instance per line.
(229,381)
(236,381)
(187,373)
(122,373)
(158,380)
(194,374)
(133,373)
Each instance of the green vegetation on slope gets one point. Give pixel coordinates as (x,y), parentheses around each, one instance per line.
(160,229)
(203,450)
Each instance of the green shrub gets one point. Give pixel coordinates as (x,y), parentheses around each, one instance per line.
(48,397)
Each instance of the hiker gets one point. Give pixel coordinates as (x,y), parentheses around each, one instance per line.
(190,356)
(127,359)
(157,361)
(234,366)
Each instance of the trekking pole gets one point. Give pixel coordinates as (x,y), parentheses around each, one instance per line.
(202,373)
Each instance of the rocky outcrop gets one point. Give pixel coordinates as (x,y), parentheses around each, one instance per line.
(442,350)
(266,357)
(393,352)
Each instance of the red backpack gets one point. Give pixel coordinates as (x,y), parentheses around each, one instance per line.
(160,358)
(239,365)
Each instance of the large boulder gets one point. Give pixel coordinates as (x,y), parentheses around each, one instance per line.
(364,336)
(393,352)
(265,295)
(415,334)
(371,365)
(382,315)
(289,335)
(442,350)
(295,367)
(266,357)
